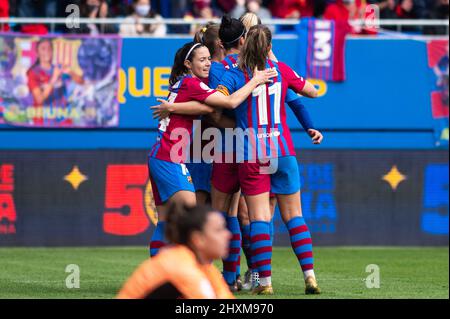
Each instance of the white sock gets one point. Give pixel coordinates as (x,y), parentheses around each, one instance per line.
(266,281)
(308,273)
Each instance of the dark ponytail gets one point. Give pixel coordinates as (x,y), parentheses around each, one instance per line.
(230,32)
(182,221)
(178,68)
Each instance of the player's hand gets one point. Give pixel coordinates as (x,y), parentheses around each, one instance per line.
(162,110)
(315,135)
(262,77)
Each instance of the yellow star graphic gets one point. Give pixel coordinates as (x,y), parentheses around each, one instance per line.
(394,177)
(75,177)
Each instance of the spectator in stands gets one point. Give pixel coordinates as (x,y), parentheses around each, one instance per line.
(405,9)
(292,9)
(201,9)
(34,9)
(387,9)
(120,8)
(4,13)
(438,10)
(253,6)
(340,10)
(239,9)
(343,11)
(142,9)
(94,9)
(227,5)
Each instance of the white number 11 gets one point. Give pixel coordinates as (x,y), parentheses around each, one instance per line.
(260,92)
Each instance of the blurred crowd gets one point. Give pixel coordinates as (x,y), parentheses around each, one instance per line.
(135,10)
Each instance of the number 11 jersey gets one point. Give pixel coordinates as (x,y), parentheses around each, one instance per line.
(261,119)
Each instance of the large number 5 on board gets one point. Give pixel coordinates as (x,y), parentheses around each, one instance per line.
(260,93)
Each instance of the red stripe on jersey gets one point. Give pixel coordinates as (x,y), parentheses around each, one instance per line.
(271,126)
(258,120)
(233,60)
(269,106)
(280,144)
(286,132)
(250,118)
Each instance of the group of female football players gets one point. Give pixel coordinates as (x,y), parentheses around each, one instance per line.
(228,80)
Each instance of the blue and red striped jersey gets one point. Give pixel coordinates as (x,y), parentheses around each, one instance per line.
(262,117)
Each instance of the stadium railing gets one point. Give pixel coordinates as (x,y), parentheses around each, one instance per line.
(399,24)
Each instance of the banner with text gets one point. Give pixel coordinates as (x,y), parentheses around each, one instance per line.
(64,198)
(54,81)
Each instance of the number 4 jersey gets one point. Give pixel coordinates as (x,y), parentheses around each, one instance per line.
(262,131)
(175,131)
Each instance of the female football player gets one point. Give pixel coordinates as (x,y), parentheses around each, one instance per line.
(170,179)
(227,172)
(250,19)
(269,163)
(185,269)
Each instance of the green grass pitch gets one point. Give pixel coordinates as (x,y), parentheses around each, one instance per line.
(404,272)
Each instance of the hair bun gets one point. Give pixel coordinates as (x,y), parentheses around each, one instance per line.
(226,20)
(230,30)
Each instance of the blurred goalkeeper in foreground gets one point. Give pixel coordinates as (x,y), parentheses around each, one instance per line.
(184,269)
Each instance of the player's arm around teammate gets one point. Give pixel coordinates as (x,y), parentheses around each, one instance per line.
(170,178)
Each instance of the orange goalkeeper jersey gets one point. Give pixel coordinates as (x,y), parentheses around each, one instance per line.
(175,273)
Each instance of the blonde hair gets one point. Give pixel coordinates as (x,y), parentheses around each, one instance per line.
(256,48)
(249,19)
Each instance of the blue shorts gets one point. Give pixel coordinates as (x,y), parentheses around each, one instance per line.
(286,179)
(281,176)
(167,178)
(201,175)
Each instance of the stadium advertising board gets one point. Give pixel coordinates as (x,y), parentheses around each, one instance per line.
(64,198)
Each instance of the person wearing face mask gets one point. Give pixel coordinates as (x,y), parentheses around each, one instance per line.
(438,10)
(94,9)
(133,26)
